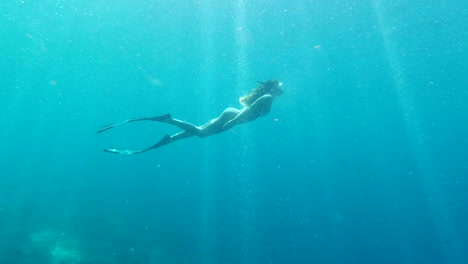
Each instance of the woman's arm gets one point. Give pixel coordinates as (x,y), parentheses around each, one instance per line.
(249,113)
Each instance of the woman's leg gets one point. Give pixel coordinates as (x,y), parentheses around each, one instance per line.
(169,139)
(213,126)
(186,126)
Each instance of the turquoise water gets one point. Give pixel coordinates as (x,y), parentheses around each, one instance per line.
(362,160)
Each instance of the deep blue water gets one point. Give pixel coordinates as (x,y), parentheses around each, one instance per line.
(364,159)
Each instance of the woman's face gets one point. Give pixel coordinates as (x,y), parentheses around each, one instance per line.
(275,87)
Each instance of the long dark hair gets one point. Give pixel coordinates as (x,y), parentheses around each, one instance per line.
(262,89)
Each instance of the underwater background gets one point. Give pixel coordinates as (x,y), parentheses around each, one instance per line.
(363,159)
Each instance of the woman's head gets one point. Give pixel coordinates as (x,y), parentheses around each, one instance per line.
(272,87)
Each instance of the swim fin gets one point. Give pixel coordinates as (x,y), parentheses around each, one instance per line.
(154,118)
(165,140)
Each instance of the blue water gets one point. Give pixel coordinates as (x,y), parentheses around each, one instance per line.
(364,159)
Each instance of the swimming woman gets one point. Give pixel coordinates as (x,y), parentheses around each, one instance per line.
(256,104)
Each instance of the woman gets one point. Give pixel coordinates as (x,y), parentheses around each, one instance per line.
(256,104)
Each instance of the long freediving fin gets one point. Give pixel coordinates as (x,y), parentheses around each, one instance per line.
(154,118)
(165,140)
(124,151)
